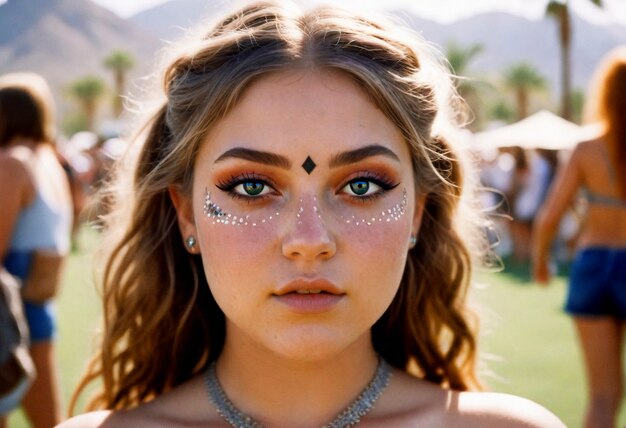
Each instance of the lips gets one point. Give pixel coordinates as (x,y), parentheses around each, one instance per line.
(309,296)
(305,286)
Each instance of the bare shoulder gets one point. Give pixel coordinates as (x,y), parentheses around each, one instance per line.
(588,148)
(490,409)
(14,171)
(87,420)
(414,402)
(12,161)
(185,406)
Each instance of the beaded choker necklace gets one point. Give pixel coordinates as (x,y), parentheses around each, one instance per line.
(349,417)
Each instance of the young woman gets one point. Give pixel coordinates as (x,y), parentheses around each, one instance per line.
(597,292)
(292,253)
(35,224)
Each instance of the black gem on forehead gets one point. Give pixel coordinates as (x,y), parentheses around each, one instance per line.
(309,165)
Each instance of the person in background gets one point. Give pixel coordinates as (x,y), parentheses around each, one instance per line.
(295,242)
(597,290)
(35,225)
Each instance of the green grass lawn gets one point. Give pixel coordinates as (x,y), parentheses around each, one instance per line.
(527,343)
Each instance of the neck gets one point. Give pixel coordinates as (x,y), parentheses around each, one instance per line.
(281,391)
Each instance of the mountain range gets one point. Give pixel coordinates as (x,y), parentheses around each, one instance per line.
(67,39)
(506,38)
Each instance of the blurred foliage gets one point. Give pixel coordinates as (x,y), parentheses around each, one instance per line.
(88,91)
(74,122)
(471,87)
(523,78)
(120,62)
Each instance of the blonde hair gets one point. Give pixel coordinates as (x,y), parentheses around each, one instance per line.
(26,108)
(607,105)
(162,325)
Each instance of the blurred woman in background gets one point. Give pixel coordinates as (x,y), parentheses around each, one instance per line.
(597,292)
(35,224)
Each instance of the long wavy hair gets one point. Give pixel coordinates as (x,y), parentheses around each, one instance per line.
(607,105)
(161,323)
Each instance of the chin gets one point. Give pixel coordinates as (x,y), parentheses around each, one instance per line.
(312,344)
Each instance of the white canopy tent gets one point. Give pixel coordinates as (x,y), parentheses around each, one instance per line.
(541,130)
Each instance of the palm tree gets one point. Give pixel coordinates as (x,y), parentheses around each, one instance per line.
(522,78)
(559,10)
(501,110)
(87,91)
(469,88)
(120,62)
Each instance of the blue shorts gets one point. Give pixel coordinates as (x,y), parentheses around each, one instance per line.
(41,317)
(13,399)
(598,283)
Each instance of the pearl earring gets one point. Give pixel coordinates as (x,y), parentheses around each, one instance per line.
(412,242)
(191,243)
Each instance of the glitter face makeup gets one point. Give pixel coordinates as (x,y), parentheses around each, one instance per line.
(344,216)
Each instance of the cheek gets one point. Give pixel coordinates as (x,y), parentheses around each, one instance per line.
(233,256)
(378,255)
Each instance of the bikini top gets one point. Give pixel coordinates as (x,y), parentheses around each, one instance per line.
(594,198)
(42,226)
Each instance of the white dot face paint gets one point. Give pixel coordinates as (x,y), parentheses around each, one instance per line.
(336,211)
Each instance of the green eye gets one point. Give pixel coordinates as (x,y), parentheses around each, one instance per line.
(253,188)
(360,187)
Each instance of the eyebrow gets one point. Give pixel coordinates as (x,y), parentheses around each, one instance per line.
(340,159)
(353,156)
(258,156)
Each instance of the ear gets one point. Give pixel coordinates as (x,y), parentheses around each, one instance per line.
(184,214)
(420,201)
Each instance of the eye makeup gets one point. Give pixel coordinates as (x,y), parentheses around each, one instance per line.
(343,215)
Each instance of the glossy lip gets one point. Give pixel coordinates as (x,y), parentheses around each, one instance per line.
(312,303)
(308,284)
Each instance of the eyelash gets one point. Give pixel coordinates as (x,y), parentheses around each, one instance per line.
(229,185)
(380,180)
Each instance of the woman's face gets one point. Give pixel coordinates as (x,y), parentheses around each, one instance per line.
(303,204)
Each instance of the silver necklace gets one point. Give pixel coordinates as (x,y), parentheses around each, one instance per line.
(349,417)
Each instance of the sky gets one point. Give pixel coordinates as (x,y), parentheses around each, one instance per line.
(439,10)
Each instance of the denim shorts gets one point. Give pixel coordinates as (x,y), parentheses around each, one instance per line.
(13,400)
(41,317)
(598,283)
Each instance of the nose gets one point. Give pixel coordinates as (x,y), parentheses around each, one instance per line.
(308,236)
